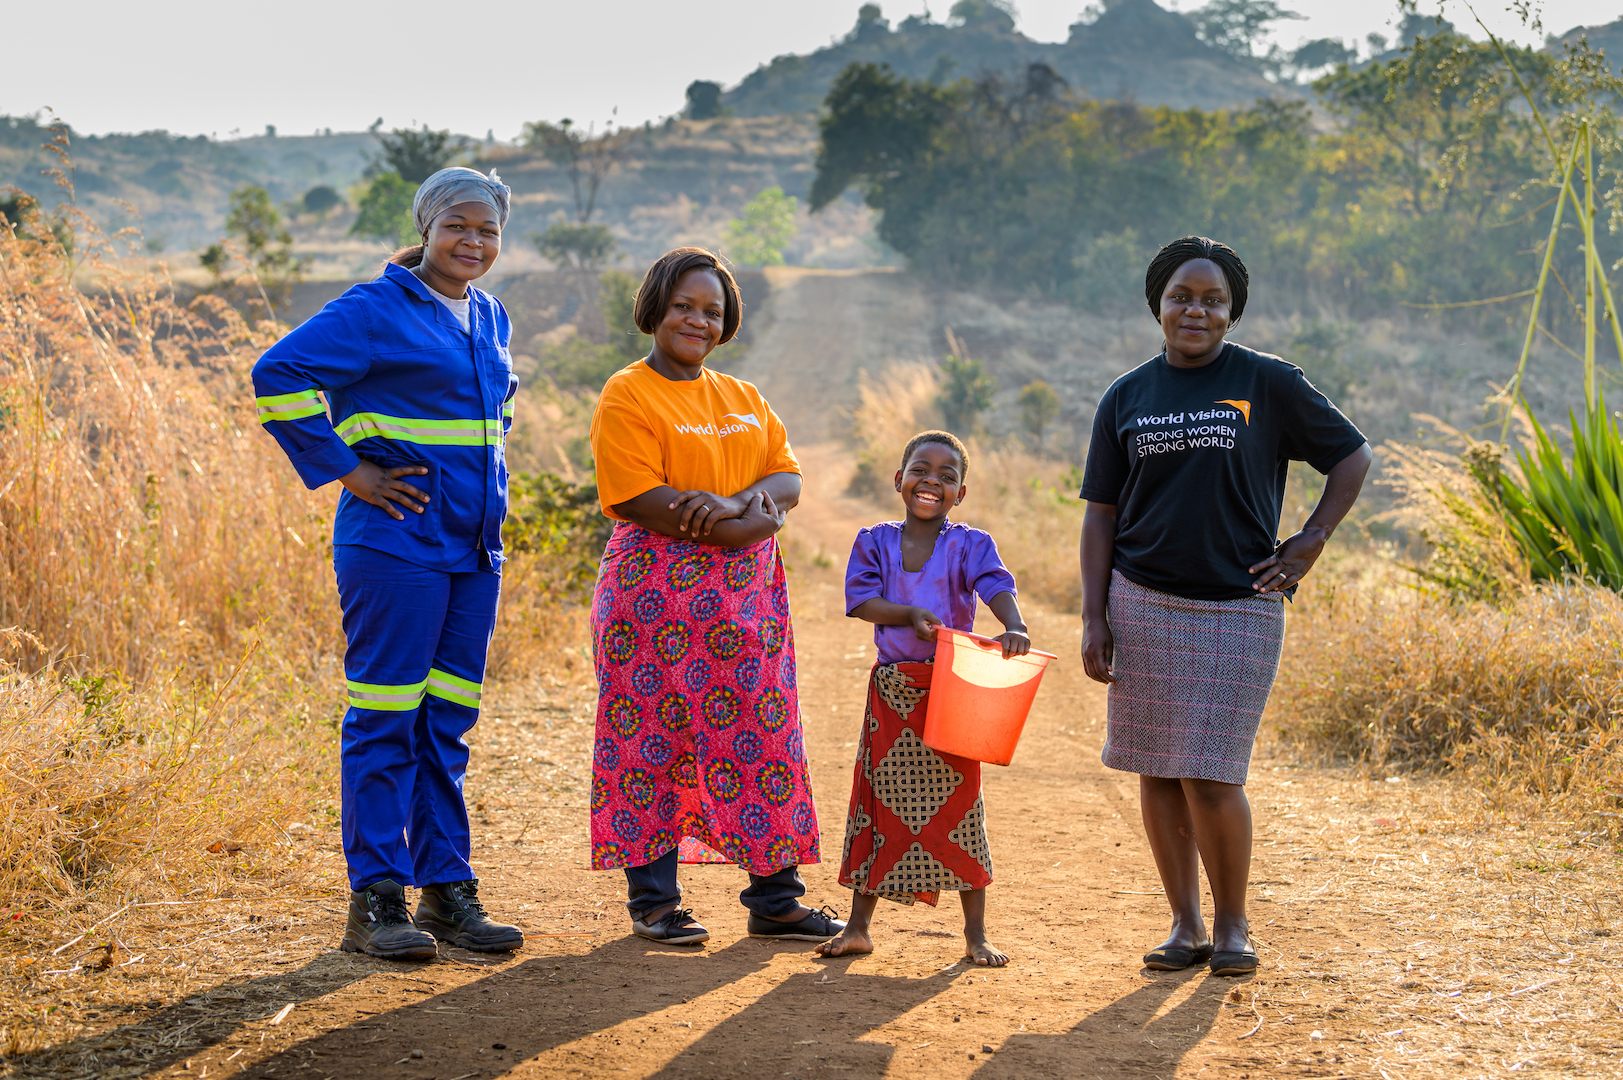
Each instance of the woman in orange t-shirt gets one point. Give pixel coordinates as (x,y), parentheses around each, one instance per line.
(699,754)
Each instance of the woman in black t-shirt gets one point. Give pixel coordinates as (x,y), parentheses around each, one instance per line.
(1183,577)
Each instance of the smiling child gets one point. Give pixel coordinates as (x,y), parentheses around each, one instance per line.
(917,823)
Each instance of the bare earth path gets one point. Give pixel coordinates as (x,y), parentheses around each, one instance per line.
(1400,936)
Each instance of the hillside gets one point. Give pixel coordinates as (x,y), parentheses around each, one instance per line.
(1607,39)
(178,186)
(681,182)
(1135,51)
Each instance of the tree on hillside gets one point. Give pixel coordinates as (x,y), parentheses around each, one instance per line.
(704,99)
(871,24)
(758,236)
(384,210)
(876,127)
(321,199)
(1241,28)
(575,244)
(1039,405)
(1319,54)
(588,157)
(997,15)
(259,238)
(417,155)
(966,392)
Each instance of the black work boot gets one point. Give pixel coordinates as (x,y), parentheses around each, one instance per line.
(380,925)
(451,911)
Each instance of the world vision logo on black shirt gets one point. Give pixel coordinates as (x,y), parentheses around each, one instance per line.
(1197,429)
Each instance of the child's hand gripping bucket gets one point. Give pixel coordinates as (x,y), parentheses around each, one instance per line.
(978,700)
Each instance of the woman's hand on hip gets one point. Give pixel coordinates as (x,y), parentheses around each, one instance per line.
(1098,650)
(1290,563)
(383,487)
(699,511)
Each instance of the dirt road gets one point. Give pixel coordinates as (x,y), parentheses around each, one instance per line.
(1401,934)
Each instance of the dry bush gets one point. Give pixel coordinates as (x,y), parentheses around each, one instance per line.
(172,679)
(1028,503)
(1522,698)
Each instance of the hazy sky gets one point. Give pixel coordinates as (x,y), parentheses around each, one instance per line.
(214,68)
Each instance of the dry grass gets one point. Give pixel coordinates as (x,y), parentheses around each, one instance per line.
(171,665)
(1027,502)
(1523,699)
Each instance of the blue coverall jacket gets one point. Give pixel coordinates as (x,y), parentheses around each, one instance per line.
(405,385)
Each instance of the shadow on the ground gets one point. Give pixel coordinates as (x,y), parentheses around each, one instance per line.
(206,1018)
(1103,1042)
(495,1023)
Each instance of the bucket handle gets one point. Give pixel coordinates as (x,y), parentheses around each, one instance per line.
(993,643)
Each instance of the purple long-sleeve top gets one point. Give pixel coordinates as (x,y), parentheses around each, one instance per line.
(964,565)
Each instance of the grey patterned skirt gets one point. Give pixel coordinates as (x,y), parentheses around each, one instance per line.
(1192,679)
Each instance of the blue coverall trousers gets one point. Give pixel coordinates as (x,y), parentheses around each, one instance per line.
(416,667)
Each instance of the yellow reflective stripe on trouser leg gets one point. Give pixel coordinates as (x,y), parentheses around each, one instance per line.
(386,698)
(443,684)
(294,406)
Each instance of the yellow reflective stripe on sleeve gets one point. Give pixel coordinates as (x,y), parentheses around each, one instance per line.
(386,698)
(352,429)
(507,408)
(294,406)
(443,684)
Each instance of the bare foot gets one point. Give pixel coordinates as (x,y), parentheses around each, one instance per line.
(984,953)
(848,942)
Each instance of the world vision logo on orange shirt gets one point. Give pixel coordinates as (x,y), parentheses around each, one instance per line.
(722,430)
(1243,406)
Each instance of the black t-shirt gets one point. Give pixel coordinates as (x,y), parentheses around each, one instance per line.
(1194,460)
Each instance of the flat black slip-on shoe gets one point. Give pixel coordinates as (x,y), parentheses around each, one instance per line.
(1173,958)
(818,926)
(1234,963)
(677,927)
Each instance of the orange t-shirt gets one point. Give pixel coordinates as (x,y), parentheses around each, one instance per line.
(714,433)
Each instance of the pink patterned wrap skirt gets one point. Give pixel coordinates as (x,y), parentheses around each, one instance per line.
(699,745)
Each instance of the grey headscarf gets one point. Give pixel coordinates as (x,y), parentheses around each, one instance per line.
(455,185)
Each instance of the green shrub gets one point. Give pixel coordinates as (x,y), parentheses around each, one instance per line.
(562,522)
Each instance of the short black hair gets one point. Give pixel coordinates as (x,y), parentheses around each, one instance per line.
(1187,249)
(654,294)
(944,438)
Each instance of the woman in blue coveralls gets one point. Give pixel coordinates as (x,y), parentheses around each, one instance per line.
(419,387)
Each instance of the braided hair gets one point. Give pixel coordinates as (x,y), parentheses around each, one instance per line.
(1175,254)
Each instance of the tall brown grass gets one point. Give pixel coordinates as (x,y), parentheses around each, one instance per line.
(1522,698)
(170,652)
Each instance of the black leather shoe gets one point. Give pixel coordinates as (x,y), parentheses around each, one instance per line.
(818,926)
(451,911)
(675,927)
(380,925)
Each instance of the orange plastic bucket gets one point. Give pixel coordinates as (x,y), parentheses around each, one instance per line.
(978,700)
